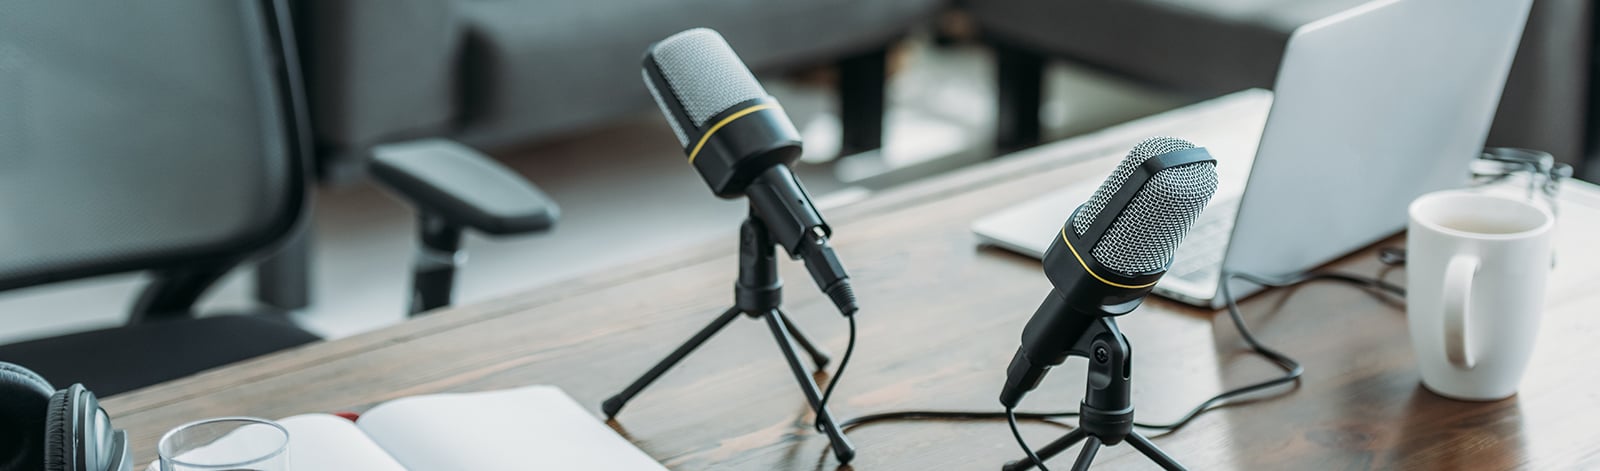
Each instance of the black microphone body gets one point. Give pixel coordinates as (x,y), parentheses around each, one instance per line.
(1109,256)
(742,144)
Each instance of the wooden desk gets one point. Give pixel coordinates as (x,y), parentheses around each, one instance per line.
(940,319)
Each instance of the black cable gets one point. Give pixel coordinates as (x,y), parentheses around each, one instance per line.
(1011,418)
(1045,417)
(1392,256)
(1386,255)
(1292,369)
(849,350)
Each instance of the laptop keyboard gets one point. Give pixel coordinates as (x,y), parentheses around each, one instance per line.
(1199,257)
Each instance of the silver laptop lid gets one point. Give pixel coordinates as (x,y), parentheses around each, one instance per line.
(1373,107)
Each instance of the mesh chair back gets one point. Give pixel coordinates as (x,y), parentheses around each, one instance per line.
(143,135)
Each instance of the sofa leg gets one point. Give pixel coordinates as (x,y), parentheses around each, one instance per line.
(862,80)
(1588,165)
(1019,87)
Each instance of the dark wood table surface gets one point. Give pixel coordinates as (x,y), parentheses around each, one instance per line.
(941,317)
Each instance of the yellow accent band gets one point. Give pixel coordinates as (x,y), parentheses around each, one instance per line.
(1091,272)
(707,136)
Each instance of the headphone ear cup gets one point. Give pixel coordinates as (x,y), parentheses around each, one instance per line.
(24,400)
(58,431)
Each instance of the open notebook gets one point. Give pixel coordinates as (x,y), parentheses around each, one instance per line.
(529,428)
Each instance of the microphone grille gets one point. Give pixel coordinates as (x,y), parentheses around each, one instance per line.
(677,129)
(703,73)
(1146,234)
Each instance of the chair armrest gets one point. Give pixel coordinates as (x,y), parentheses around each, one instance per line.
(463,187)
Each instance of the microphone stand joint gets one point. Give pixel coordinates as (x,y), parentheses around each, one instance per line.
(758,294)
(1106,413)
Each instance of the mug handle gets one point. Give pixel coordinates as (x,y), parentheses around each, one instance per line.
(1458,277)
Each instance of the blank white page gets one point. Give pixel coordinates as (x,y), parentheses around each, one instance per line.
(530,428)
(322,442)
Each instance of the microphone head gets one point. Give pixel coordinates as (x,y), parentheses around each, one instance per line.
(1145,235)
(730,129)
(699,78)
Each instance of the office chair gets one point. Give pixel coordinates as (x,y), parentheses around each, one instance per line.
(169,137)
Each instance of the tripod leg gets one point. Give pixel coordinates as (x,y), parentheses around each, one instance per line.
(842,448)
(818,357)
(615,403)
(1090,447)
(1050,450)
(1155,454)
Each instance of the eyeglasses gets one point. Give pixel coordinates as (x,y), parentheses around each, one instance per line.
(1539,168)
(1500,165)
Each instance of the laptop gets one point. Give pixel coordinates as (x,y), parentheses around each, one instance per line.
(1373,107)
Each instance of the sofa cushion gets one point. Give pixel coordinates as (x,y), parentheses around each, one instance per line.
(1201,46)
(378,70)
(532,68)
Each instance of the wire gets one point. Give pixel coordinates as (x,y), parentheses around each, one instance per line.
(1046,417)
(1387,255)
(849,350)
(1292,369)
(1392,256)
(1011,418)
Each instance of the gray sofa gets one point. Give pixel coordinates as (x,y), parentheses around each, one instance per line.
(492,73)
(1209,47)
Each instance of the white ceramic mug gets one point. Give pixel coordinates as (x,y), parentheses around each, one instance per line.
(1476,269)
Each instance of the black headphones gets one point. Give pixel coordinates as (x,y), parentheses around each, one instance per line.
(49,430)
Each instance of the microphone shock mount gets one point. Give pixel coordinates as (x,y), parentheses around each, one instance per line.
(1105,417)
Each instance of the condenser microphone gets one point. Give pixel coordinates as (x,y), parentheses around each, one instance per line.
(741,142)
(1112,251)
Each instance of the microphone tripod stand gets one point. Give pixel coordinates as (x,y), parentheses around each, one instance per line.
(758,294)
(1106,413)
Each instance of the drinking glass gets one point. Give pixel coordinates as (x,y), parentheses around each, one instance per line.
(226,444)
